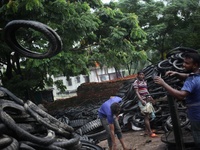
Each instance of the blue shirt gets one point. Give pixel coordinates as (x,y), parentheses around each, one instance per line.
(105,111)
(192,85)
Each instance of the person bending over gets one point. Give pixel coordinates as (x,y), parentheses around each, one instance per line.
(108,114)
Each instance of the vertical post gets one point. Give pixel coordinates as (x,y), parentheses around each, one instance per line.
(176,124)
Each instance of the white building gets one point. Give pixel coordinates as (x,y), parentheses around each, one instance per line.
(96,75)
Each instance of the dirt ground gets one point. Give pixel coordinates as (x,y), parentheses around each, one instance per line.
(136,141)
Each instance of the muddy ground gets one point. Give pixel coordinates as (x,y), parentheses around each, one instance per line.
(136,141)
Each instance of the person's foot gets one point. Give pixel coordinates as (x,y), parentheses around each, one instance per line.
(153,135)
(153,130)
(146,133)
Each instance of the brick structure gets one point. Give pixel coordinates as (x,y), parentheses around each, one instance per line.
(89,93)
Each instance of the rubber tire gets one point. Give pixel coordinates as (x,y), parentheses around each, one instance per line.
(10,38)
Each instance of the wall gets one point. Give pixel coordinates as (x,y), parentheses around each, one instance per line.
(89,93)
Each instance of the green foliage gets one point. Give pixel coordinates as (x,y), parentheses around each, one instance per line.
(168,24)
(59,84)
(104,34)
(13,6)
(31,4)
(120,35)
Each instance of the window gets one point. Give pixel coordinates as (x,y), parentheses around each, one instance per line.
(87,79)
(69,82)
(112,76)
(78,79)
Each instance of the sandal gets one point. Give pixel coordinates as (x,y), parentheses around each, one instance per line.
(153,135)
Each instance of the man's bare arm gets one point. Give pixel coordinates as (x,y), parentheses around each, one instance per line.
(178,74)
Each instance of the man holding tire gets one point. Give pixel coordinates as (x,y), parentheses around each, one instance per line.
(190,91)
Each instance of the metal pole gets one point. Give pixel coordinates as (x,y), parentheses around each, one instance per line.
(176,124)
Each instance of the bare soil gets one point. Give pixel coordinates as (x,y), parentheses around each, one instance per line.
(136,141)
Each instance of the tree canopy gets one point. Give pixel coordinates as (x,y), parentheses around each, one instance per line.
(168,23)
(90,31)
(119,34)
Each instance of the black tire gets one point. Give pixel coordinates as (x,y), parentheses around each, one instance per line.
(24,146)
(12,96)
(181,105)
(5,141)
(129,105)
(42,146)
(90,126)
(180,49)
(78,122)
(164,65)
(131,92)
(67,143)
(147,70)
(16,111)
(99,136)
(13,146)
(47,122)
(90,146)
(33,128)
(178,65)
(124,90)
(35,109)
(20,132)
(10,38)
(64,119)
(184,121)
(138,119)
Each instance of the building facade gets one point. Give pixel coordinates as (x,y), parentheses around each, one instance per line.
(97,74)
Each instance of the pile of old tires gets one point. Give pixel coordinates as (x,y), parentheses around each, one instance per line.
(86,123)
(26,126)
(173,61)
